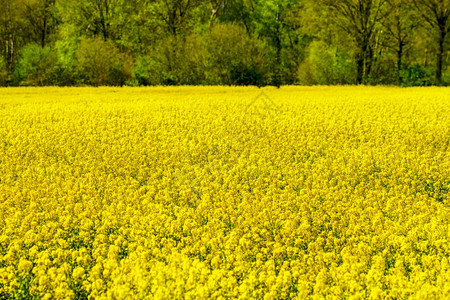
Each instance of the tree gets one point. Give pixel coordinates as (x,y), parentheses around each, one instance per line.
(133,30)
(218,7)
(359,18)
(225,41)
(399,23)
(437,14)
(278,22)
(173,15)
(175,61)
(236,58)
(100,63)
(235,11)
(10,27)
(326,64)
(40,14)
(36,66)
(93,18)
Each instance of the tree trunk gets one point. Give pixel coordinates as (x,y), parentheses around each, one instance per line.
(278,58)
(361,61)
(400,62)
(44,32)
(360,69)
(9,50)
(440,56)
(368,62)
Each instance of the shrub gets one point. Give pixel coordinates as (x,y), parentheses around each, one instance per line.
(236,58)
(142,72)
(99,62)
(66,51)
(326,65)
(36,66)
(175,61)
(226,55)
(417,75)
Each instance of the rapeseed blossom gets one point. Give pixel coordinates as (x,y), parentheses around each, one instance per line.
(202,192)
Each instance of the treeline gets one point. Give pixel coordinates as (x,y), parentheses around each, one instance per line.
(224,42)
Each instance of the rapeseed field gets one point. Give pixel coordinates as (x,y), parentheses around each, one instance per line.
(223,193)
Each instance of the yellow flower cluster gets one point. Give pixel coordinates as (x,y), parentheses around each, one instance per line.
(212,192)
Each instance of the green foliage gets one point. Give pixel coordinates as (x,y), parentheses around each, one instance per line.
(66,48)
(385,71)
(227,55)
(236,58)
(231,42)
(175,61)
(326,65)
(143,72)
(36,66)
(3,72)
(99,62)
(278,23)
(193,60)
(417,75)
(175,17)
(446,77)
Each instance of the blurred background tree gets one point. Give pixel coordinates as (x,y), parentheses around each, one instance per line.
(435,15)
(230,42)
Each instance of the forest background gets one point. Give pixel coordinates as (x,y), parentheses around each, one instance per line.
(224,42)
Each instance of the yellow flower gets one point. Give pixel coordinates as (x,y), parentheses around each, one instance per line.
(24,265)
(78,273)
(205,192)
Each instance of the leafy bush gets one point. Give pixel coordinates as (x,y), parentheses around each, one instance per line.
(326,65)
(36,66)
(99,62)
(142,72)
(417,75)
(66,49)
(236,58)
(174,61)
